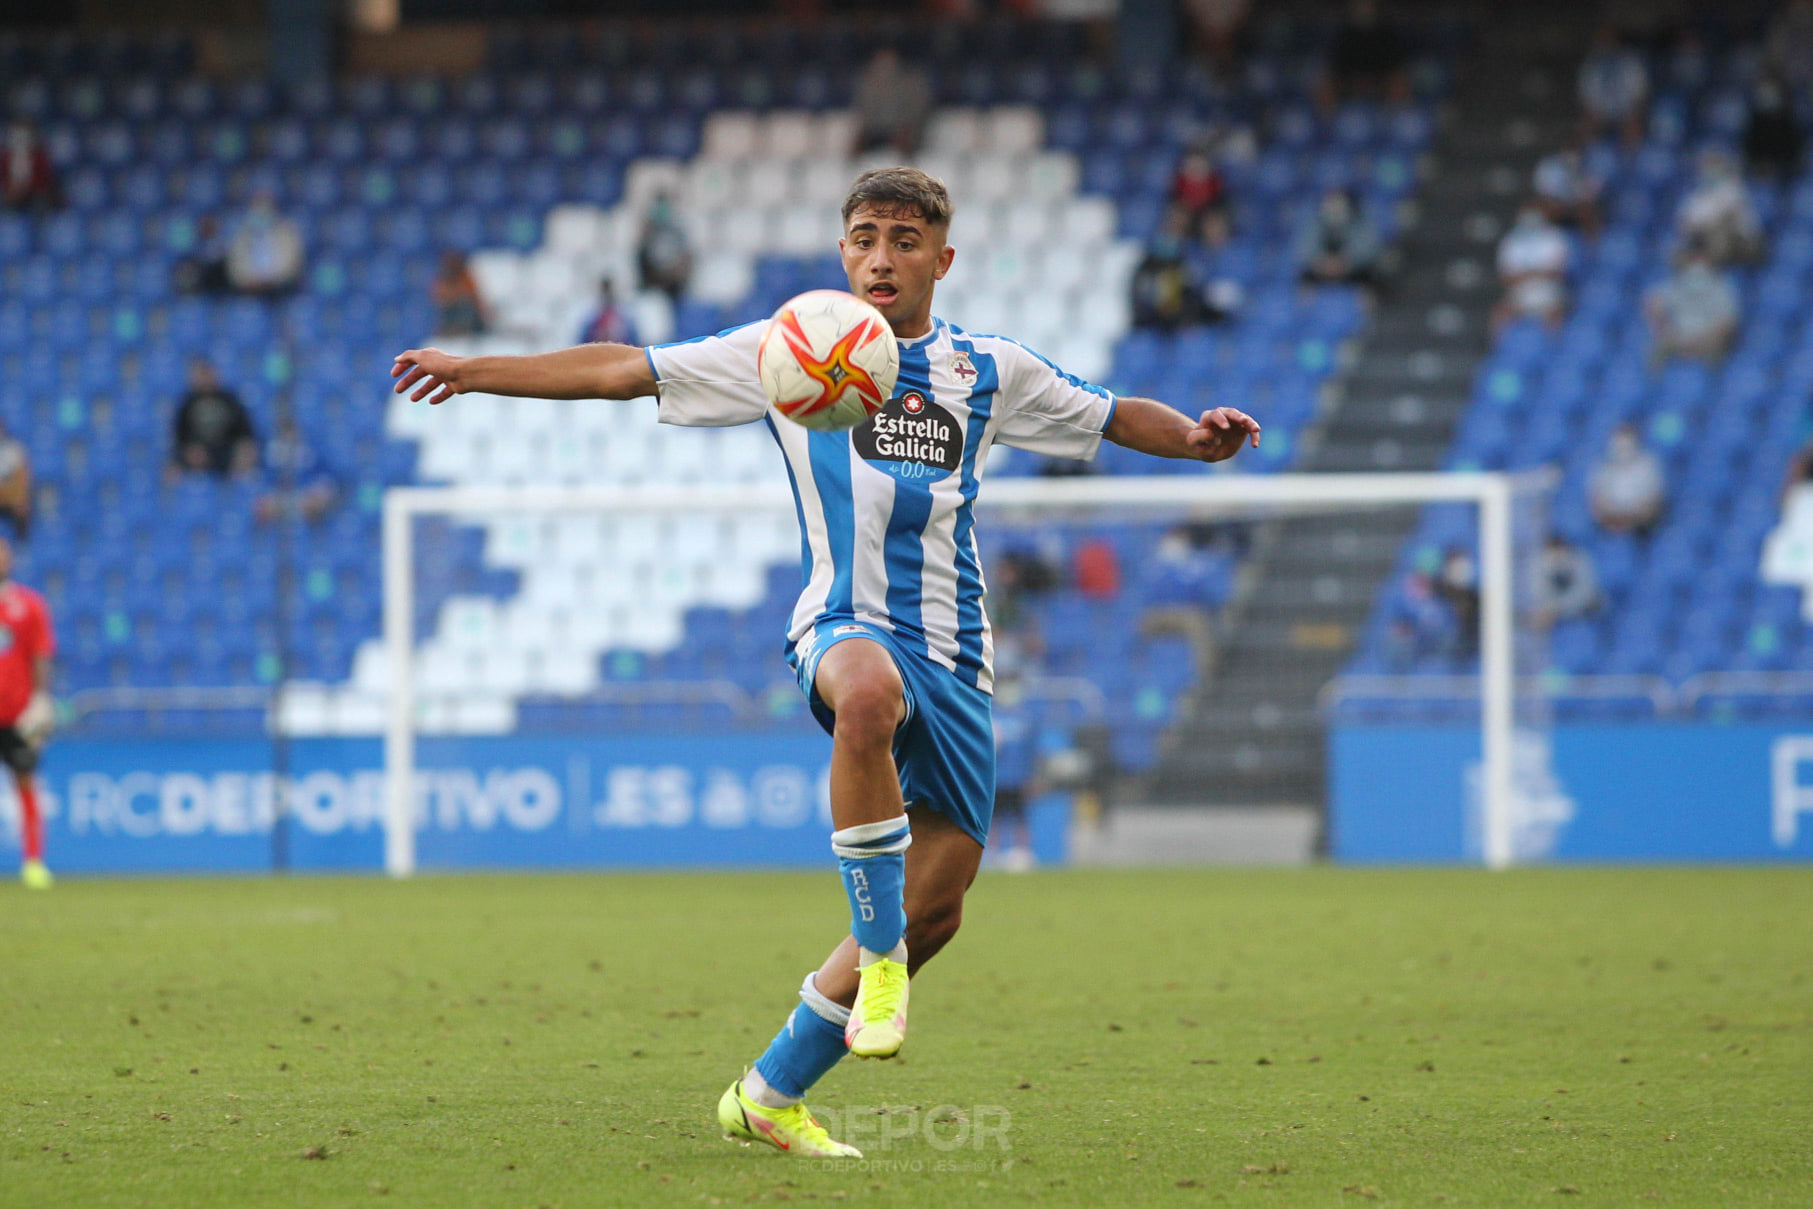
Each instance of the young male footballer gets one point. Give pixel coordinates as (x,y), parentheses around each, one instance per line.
(889,639)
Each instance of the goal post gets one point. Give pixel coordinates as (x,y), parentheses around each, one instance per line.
(1223,496)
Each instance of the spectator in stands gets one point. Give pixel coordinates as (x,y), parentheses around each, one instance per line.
(1097,568)
(610,323)
(459,308)
(1189,575)
(1689,65)
(1421,625)
(1799,471)
(1019,576)
(1694,313)
(15,483)
(1533,261)
(303,485)
(1457,585)
(1614,88)
(1567,583)
(265,255)
(1368,60)
(1567,191)
(1216,29)
(1201,193)
(1341,246)
(1788,46)
(213,429)
(1718,215)
(662,255)
(893,101)
(1773,138)
(28,179)
(204,271)
(1165,293)
(1626,491)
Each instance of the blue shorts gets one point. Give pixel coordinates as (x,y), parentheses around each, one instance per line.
(945,747)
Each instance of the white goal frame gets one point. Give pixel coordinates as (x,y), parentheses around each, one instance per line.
(1491,492)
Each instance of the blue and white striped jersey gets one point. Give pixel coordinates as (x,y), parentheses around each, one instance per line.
(886,529)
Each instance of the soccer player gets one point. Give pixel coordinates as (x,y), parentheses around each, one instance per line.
(889,640)
(26,647)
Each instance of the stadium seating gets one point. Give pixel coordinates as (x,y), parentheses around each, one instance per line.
(540,165)
(1687,601)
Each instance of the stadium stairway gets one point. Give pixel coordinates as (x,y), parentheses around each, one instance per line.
(1311,582)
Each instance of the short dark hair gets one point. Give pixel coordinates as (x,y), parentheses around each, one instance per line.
(899,192)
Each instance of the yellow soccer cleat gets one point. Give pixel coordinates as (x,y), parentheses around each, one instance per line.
(36,876)
(790,1129)
(877,1025)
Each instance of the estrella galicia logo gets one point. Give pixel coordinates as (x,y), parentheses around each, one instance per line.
(911,431)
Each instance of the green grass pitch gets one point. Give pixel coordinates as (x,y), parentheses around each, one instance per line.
(1314,1037)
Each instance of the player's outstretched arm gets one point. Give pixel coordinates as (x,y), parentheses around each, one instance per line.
(587,371)
(1151,427)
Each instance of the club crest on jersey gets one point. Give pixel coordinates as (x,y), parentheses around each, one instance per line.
(963,369)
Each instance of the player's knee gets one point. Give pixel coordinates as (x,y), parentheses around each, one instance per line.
(868,712)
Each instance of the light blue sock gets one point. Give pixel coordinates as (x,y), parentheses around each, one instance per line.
(872,859)
(808,1045)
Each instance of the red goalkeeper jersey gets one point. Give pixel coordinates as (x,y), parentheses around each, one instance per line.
(25,637)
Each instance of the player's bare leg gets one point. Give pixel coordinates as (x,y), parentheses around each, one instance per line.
(857,679)
(940,867)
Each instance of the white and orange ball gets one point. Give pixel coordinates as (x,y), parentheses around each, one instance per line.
(828,361)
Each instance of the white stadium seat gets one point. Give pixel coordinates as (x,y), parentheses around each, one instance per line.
(1025,223)
(771,183)
(729,135)
(653,314)
(1050,176)
(713,183)
(954,131)
(496,273)
(723,278)
(825,182)
(1064,268)
(790,135)
(989,178)
(807,230)
(1089,221)
(649,178)
(1010,130)
(835,136)
(574,229)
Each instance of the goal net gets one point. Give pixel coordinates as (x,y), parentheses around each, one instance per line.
(1122,604)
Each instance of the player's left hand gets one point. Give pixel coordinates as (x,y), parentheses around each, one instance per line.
(1221,433)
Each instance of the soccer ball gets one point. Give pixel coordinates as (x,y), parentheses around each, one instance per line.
(828,360)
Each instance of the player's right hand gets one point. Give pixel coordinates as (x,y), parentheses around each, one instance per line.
(434,374)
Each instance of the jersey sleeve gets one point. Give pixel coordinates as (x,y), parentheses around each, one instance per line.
(1045,410)
(710,382)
